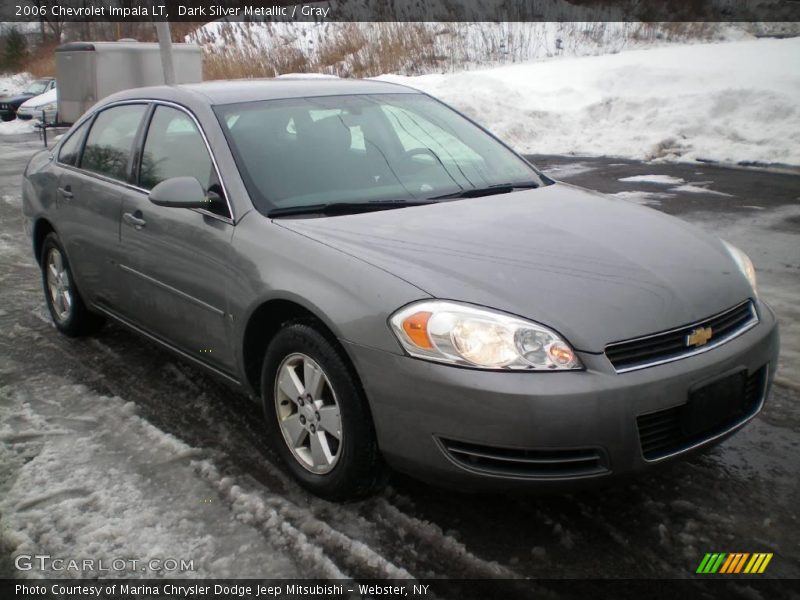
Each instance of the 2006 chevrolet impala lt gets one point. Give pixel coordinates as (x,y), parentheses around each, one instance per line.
(394,284)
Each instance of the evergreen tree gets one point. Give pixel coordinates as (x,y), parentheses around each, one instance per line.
(16,49)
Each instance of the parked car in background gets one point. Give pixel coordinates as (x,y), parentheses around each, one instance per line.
(10,104)
(43,107)
(393,283)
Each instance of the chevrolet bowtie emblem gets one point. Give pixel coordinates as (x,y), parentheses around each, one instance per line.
(699,336)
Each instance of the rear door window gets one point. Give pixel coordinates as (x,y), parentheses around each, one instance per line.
(71,148)
(110,143)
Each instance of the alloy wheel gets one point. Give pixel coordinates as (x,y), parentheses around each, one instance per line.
(59,285)
(308,413)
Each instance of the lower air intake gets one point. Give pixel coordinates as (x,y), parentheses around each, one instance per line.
(665,432)
(518,462)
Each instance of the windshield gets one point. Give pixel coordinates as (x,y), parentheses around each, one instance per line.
(363,148)
(36,88)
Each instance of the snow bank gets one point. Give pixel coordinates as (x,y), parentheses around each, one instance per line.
(731,102)
(16,127)
(657,179)
(12,84)
(83,476)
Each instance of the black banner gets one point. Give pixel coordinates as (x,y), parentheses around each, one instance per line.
(400,10)
(710,587)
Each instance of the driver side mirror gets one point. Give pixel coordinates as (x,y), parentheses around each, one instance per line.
(182,192)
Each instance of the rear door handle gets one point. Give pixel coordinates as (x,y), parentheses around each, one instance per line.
(133,219)
(65,191)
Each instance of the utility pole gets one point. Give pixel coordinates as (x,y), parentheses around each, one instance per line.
(165,45)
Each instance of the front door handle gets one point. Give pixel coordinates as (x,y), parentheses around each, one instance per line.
(65,191)
(134,219)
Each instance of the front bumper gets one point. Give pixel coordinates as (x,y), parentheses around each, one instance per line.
(421,409)
(26,114)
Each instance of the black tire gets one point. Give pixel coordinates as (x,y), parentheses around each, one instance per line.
(8,117)
(78,320)
(358,470)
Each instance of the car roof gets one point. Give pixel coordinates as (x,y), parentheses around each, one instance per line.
(250,90)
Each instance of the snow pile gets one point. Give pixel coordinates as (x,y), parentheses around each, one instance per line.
(16,127)
(729,102)
(13,84)
(657,179)
(82,476)
(681,185)
(9,85)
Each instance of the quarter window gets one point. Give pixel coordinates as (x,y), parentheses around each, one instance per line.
(110,142)
(71,148)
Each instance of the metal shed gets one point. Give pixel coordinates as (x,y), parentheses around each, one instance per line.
(89,71)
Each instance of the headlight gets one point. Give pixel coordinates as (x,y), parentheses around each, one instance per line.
(48,107)
(744,263)
(462,334)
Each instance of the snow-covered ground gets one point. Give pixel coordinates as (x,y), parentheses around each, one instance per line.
(15,127)
(109,447)
(729,102)
(13,84)
(82,471)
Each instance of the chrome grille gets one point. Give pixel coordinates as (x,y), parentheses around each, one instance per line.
(667,346)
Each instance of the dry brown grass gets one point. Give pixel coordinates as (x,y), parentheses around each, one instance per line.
(370,49)
(244,63)
(41,61)
(366,50)
(348,52)
(396,47)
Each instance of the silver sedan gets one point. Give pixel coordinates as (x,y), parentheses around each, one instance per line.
(396,286)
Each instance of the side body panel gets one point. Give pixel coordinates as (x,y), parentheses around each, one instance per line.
(88,226)
(352,298)
(177,270)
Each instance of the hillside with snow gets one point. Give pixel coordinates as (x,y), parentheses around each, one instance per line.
(649,91)
(729,102)
(366,49)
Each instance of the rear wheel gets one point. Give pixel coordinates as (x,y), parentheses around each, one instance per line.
(317,417)
(66,306)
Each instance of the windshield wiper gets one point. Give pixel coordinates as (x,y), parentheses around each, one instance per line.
(342,208)
(500,188)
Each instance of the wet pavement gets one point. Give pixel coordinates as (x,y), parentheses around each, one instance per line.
(740,496)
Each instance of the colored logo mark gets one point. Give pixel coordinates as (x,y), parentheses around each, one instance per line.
(734,563)
(699,336)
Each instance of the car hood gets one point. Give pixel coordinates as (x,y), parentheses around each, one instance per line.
(41,99)
(594,268)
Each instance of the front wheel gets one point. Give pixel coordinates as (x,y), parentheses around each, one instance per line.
(66,306)
(317,417)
